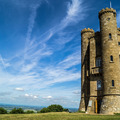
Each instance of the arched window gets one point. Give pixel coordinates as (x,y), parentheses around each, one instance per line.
(111,58)
(110,36)
(113,83)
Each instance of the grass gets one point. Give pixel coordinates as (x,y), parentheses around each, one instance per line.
(58,116)
(117,113)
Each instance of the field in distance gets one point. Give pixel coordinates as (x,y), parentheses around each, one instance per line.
(58,116)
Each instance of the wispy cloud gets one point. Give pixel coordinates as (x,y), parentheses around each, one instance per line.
(72,60)
(4,63)
(34,8)
(19,89)
(35,68)
(75,13)
(34,51)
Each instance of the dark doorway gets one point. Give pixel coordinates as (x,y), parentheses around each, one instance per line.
(99,101)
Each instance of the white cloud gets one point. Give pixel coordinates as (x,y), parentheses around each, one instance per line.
(48,97)
(19,89)
(27,95)
(31,96)
(35,97)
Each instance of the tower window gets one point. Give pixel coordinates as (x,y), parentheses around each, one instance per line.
(98,62)
(113,83)
(99,85)
(111,58)
(119,43)
(110,36)
(108,19)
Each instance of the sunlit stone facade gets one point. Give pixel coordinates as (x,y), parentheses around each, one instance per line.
(100,66)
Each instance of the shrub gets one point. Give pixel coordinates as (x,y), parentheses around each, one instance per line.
(29,111)
(17,111)
(81,111)
(3,111)
(66,110)
(117,113)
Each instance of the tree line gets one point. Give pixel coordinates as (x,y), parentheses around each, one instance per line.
(51,108)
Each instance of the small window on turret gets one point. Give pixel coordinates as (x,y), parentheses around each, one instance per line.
(119,43)
(113,83)
(108,19)
(111,58)
(110,36)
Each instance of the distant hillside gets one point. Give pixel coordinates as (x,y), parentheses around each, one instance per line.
(9,107)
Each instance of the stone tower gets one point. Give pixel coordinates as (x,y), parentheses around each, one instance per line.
(85,34)
(110,61)
(100,66)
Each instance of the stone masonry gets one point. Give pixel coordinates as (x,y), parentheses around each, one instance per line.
(100,66)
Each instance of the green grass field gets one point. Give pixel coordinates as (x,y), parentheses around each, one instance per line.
(58,116)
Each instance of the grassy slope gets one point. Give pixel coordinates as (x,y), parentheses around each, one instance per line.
(58,116)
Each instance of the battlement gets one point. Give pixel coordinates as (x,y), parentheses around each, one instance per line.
(107,10)
(87,30)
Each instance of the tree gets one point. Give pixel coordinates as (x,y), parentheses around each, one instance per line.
(17,111)
(3,111)
(29,111)
(44,110)
(66,110)
(55,108)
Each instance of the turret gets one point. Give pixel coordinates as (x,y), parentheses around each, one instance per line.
(110,61)
(85,35)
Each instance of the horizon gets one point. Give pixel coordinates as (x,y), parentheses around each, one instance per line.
(40,49)
(17,105)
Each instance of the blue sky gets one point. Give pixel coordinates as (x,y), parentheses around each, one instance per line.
(40,49)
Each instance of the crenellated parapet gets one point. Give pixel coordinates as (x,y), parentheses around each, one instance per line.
(87,30)
(107,10)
